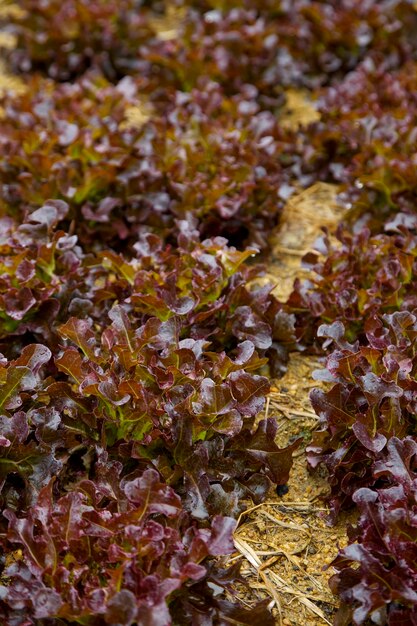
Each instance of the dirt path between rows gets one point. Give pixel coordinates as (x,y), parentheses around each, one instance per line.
(285,543)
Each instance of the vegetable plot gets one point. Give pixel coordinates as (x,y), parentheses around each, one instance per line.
(136,348)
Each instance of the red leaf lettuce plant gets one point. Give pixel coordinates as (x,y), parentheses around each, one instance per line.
(367,144)
(113,550)
(129,439)
(222,161)
(64,39)
(264,44)
(376,575)
(356,275)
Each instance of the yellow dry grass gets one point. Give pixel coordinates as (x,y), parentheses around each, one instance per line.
(299,109)
(136,116)
(168,24)
(10,83)
(302,220)
(10,10)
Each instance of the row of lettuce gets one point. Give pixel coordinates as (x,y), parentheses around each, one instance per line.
(141,169)
(361,305)
(128,433)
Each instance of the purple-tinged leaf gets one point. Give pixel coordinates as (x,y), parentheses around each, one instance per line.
(249,391)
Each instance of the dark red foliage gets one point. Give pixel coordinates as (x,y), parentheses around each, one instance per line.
(360,304)
(314,42)
(198,288)
(113,550)
(41,269)
(376,574)
(65,38)
(129,391)
(357,276)
(134,355)
(269,45)
(222,161)
(372,399)
(365,292)
(367,143)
